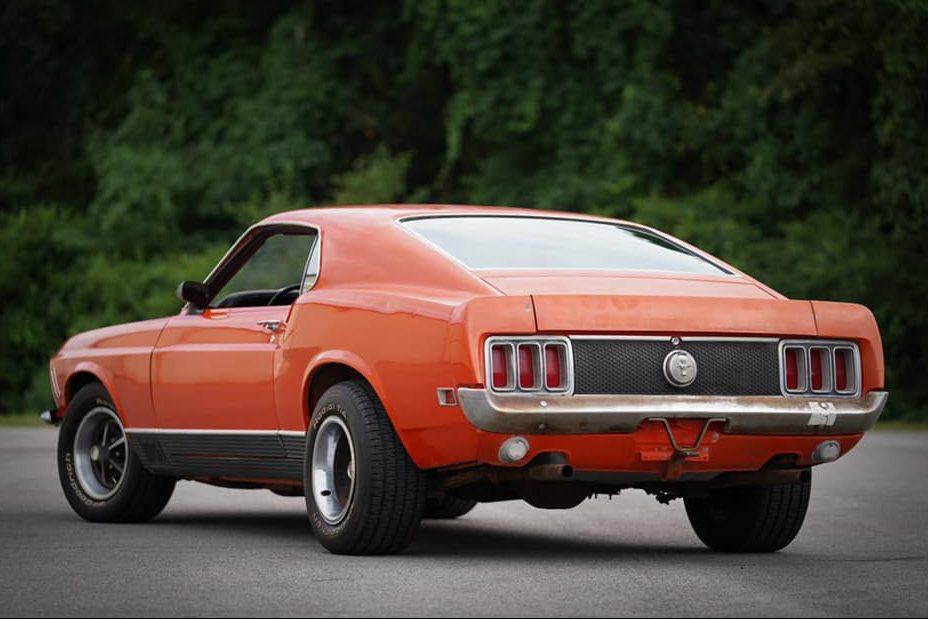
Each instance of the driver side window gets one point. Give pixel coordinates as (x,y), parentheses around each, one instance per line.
(273,275)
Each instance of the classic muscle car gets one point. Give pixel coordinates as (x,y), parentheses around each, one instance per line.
(391,363)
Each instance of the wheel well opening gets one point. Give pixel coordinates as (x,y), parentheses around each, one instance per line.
(326,376)
(76,382)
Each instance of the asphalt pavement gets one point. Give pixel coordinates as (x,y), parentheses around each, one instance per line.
(862,552)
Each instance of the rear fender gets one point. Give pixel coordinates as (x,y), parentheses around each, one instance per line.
(856,322)
(342,357)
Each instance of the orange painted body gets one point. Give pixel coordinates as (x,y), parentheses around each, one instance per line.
(409,319)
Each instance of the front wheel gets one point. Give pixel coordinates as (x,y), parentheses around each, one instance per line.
(101,476)
(751,518)
(364,494)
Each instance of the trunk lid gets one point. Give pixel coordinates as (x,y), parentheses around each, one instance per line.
(678,315)
(589,302)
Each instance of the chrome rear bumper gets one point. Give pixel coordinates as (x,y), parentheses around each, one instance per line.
(621,414)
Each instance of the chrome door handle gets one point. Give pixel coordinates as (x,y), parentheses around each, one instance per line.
(270,325)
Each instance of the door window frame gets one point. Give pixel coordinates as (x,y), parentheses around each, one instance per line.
(248,244)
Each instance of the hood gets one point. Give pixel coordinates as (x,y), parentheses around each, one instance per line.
(142,334)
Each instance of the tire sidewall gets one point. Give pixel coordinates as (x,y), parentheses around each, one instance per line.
(88,398)
(337,401)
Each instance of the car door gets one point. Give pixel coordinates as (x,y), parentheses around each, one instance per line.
(212,370)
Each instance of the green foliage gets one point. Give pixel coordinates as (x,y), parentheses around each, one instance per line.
(789,138)
(376,178)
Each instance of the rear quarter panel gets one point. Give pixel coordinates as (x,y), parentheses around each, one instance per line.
(856,322)
(406,346)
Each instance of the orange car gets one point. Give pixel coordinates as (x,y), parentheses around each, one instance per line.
(397,362)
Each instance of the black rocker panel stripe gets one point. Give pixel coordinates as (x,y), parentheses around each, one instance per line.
(295,446)
(208,454)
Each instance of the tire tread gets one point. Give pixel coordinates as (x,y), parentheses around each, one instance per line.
(763,519)
(394,505)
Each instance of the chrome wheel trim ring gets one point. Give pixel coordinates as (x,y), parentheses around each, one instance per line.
(101,453)
(333,470)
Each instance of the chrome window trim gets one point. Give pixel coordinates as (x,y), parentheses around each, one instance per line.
(242,241)
(513,341)
(829,375)
(399,224)
(315,250)
(725,271)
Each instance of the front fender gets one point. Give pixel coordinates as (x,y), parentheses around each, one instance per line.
(66,372)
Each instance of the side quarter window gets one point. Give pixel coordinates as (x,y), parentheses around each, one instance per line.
(312,266)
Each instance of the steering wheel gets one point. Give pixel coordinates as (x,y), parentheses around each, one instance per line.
(280,293)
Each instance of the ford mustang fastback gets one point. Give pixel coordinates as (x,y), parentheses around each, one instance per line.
(390,363)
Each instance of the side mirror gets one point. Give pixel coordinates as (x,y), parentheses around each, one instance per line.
(194,293)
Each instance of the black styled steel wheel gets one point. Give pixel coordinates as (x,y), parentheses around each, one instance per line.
(102,478)
(447,506)
(751,518)
(364,495)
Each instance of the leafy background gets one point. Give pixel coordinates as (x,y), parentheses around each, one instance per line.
(138,139)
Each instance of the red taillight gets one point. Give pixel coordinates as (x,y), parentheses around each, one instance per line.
(554,377)
(792,369)
(500,366)
(820,367)
(815,361)
(529,365)
(528,359)
(842,356)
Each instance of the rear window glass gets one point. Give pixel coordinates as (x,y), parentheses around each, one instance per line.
(497,242)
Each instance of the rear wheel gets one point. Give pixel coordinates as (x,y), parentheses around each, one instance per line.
(751,518)
(448,506)
(364,494)
(102,478)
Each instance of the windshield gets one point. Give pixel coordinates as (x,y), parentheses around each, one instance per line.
(501,242)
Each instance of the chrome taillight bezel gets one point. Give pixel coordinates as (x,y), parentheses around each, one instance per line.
(512,377)
(540,343)
(828,388)
(802,370)
(855,373)
(538,364)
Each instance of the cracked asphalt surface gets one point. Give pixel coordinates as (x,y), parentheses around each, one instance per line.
(862,552)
